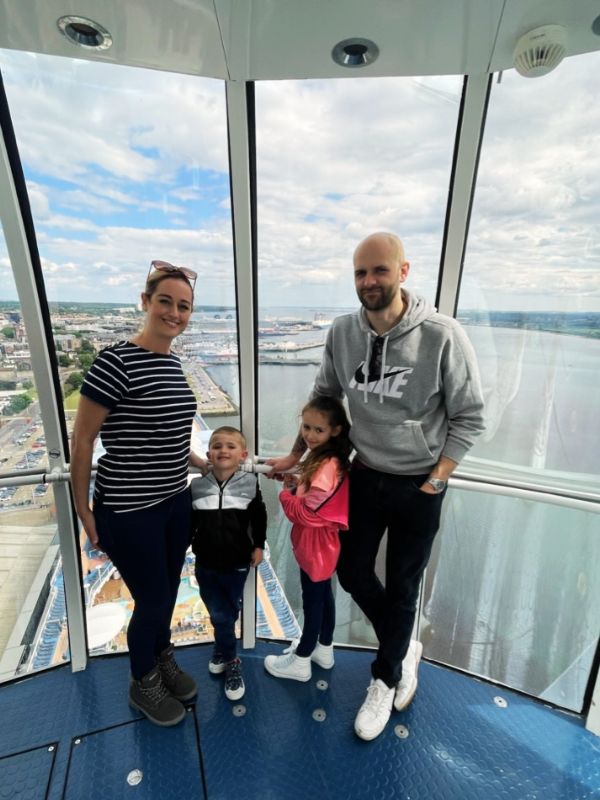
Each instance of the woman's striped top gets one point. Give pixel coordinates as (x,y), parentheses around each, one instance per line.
(147,433)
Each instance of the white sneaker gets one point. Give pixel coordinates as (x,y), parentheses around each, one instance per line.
(289,666)
(375,712)
(321,655)
(405,691)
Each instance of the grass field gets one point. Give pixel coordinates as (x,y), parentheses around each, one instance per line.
(72,401)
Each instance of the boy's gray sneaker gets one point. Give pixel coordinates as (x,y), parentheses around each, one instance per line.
(150,696)
(181,685)
(234,683)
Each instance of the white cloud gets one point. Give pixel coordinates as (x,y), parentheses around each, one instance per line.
(336,160)
(113,118)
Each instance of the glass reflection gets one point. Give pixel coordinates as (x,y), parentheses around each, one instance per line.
(510,594)
(531,285)
(33,633)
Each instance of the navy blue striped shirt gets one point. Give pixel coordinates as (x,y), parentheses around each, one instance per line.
(147,433)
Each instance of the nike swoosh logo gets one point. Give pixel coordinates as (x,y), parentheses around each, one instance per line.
(396,372)
(359,375)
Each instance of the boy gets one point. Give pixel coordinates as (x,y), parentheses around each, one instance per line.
(229,523)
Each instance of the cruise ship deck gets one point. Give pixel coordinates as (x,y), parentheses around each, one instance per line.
(73,736)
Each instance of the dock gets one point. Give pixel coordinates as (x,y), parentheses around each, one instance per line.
(212,400)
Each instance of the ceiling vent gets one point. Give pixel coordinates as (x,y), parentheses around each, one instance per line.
(540,51)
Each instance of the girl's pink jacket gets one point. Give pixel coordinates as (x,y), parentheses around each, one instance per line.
(317,516)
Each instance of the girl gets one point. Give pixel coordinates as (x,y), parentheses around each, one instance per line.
(318,507)
(137,398)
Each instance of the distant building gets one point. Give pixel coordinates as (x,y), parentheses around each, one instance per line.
(67,342)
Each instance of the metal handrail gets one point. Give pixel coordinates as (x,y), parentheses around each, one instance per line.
(587,501)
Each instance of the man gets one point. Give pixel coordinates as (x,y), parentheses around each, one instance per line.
(412,385)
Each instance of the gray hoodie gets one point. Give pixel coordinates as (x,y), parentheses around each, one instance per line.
(426,400)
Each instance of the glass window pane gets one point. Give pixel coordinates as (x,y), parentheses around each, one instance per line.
(511,593)
(124,166)
(33,632)
(530,294)
(337,160)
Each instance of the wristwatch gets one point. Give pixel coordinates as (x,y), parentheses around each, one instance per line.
(438,484)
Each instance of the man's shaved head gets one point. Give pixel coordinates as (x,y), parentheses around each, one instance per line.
(387,241)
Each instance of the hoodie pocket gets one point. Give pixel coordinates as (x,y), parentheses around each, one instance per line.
(401,445)
(420,443)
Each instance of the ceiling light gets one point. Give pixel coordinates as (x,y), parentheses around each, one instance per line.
(540,51)
(85,33)
(355,53)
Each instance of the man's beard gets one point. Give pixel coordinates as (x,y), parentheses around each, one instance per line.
(380,300)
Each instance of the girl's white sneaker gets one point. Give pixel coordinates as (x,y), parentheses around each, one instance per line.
(289,666)
(323,655)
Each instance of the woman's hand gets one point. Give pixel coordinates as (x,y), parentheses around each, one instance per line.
(89,525)
(257,557)
(199,463)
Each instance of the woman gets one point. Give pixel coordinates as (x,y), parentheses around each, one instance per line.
(137,398)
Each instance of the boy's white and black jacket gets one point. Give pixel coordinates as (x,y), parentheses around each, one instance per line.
(229,520)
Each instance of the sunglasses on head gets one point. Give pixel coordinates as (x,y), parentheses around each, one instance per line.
(164,266)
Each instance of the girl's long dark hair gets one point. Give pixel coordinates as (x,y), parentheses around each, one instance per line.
(339,446)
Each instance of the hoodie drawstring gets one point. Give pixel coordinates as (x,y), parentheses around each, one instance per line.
(366,370)
(382,373)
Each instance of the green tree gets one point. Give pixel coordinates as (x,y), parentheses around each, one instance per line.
(74,380)
(8,333)
(27,385)
(17,404)
(64,360)
(86,346)
(85,361)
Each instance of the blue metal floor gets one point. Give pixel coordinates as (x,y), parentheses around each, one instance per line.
(73,736)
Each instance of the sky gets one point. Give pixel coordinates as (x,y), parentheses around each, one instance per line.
(125,165)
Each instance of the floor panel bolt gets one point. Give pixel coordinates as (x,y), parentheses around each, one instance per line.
(401,731)
(135,777)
